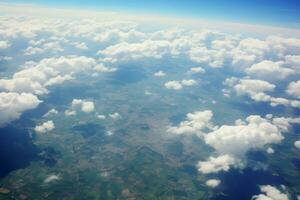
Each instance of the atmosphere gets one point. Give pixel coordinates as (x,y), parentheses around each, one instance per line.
(271,12)
(149,100)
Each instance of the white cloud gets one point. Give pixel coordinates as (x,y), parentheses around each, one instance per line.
(51,112)
(115,116)
(52,178)
(294,89)
(270,193)
(4,44)
(216,164)
(270,70)
(174,85)
(297,144)
(270,150)
(213,183)
(196,70)
(47,72)
(102,68)
(160,73)
(188,82)
(232,142)
(12,105)
(45,127)
(84,105)
(101,116)
(195,123)
(257,91)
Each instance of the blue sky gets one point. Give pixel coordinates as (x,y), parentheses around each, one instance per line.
(271,12)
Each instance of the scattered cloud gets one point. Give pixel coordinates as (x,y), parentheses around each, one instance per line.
(270,193)
(213,183)
(12,105)
(195,123)
(160,73)
(45,127)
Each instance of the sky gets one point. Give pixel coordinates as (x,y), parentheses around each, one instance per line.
(270,12)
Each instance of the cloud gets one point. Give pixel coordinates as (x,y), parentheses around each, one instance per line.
(232,142)
(188,82)
(216,164)
(52,178)
(270,70)
(51,112)
(115,116)
(195,123)
(294,89)
(45,127)
(257,91)
(270,193)
(174,85)
(12,105)
(4,44)
(101,68)
(83,105)
(213,183)
(196,70)
(160,73)
(297,144)
(50,71)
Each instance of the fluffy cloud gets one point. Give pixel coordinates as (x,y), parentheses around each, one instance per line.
(12,105)
(51,112)
(178,85)
(213,183)
(188,82)
(270,193)
(232,142)
(196,70)
(83,105)
(270,70)
(294,89)
(52,178)
(4,44)
(216,164)
(257,91)
(297,144)
(47,72)
(195,122)
(45,127)
(174,85)
(115,116)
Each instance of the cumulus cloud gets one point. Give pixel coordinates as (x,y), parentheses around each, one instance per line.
(270,70)
(196,70)
(188,82)
(174,85)
(257,90)
(270,193)
(45,127)
(12,105)
(102,68)
(160,73)
(294,89)
(195,123)
(297,144)
(115,116)
(4,44)
(213,183)
(232,142)
(51,112)
(83,105)
(52,178)
(47,72)
(216,164)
